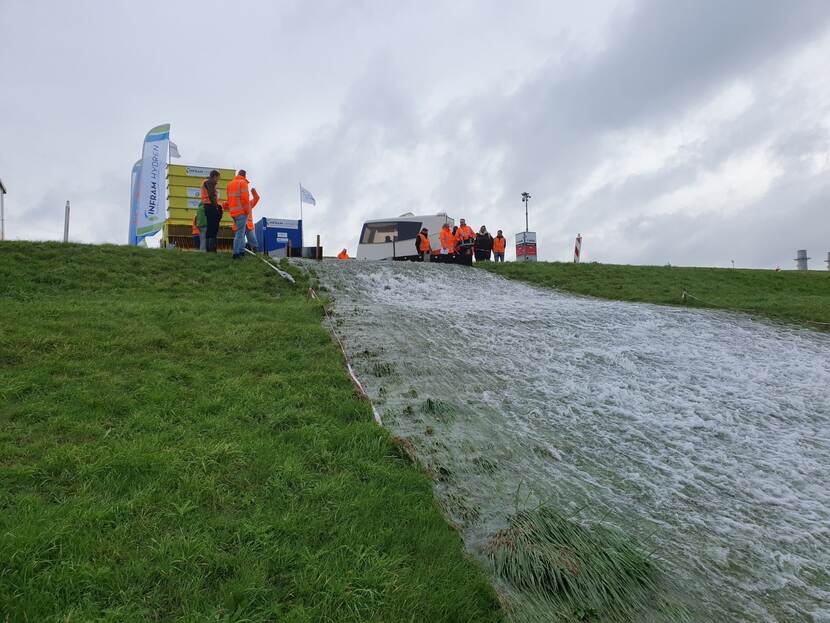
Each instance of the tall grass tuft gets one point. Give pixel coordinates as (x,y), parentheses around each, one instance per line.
(583,573)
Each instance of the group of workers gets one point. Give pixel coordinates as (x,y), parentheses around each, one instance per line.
(239,205)
(460,244)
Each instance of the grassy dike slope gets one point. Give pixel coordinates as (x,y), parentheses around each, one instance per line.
(179,440)
(792,296)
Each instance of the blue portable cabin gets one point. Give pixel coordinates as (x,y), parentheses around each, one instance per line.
(275,233)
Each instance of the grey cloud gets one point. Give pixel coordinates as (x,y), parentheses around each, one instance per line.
(381,110)
(765,235)
(667,58)
(663,58)
(667,54)
(802,142)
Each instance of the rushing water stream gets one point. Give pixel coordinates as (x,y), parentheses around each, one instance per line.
(705,435)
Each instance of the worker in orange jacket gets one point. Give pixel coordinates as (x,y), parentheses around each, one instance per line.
(209,199)
(249,225)
(466,239)
(197,235)
(499,245)
(343,255)
(447,241)
(422,245)
(239,205)
(465,232)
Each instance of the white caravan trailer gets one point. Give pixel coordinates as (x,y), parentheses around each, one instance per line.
(394,238)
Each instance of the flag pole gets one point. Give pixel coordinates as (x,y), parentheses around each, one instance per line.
(302,223)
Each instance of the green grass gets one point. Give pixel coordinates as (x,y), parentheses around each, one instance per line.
(581,573)
(801,297)
(179,440)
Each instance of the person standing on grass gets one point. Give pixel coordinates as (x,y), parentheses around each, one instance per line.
(200,224)
(484,244)
(250,237)
(213,213)
(249,226)
(499,245)
(239,204)
(194,231)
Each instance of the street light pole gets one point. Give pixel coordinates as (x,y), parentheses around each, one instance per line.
(525,197)
(66,223)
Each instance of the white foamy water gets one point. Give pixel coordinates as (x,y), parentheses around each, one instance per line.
(706,435)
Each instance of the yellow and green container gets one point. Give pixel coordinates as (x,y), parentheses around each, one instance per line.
(184,184)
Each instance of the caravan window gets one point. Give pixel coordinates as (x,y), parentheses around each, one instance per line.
(378,233)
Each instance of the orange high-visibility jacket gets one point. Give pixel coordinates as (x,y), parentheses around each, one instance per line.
(423,243)
(465,232)
(250,223)
(499,243)
(255,195)
(343,255)
(239,202)
(205,195)
(447,239)
(193,229)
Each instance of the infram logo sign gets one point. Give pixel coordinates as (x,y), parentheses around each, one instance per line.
(279,222)
(153,196)
(198,171)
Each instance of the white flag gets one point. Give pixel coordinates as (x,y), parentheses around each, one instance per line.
(151,211)
(174,150)
(306,196)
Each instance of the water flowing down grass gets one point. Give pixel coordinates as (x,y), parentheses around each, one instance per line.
(686,424)
(791,296)
(179,440)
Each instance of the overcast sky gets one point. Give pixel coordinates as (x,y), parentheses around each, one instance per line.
(686,131)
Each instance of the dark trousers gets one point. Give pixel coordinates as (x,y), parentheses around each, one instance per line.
(482,255)
(213,214)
